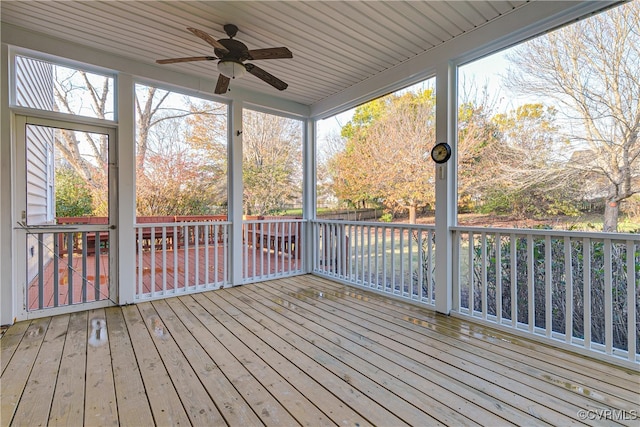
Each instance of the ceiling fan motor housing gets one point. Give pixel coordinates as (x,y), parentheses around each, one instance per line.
(236,50)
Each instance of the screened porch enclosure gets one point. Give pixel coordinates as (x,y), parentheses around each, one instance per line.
(164,258)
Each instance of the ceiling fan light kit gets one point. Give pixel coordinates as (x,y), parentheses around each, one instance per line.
(231,55)
(231,68)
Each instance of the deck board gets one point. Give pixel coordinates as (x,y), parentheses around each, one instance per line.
(296,351)
(133,405)
(472,358)
(100,391)
(16,375)
(227,398)
(529,358)
(367,379)
(10,341)
(42,379)
(390,361)
(67,407)
(164,401)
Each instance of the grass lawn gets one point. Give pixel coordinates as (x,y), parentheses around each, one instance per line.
(586,222)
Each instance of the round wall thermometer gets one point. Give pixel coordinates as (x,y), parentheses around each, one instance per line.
(441,152)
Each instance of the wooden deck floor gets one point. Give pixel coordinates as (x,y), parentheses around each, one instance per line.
(296,351)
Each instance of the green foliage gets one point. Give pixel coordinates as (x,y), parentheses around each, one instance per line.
(533,202)
(73,194)
(363,116)
(386,217)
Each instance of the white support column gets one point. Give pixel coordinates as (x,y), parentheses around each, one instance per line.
(7,292)
(446,197)
(126,190)
(235,191)
(309,191)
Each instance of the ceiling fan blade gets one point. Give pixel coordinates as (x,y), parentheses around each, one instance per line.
(206,37)
(223,84)
(187,59)
(271,53)
(269,78)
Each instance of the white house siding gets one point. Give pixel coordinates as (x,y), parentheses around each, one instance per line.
(34,89)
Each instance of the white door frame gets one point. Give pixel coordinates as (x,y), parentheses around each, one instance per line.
(20,205)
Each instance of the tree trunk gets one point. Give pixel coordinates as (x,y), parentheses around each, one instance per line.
(412,214)
(611,210)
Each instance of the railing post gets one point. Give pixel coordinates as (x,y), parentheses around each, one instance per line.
(235,192)
(446,198)
(126,208)
(309,194)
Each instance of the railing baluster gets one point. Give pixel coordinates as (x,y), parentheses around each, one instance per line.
(498,250)
(548,279)
(176,246)
(586,292)
(196,257)
(393,260)
(206,256)
(56,260)
(483,279)
(402,278)
(420,267)
(83,267)
(568,274)
(97,278)
(152,244)
(140,270)
(631,301)
(456,241)
(40,271)
(70,269)
(608,298)
(471,283)
(514,280)
(412,287)
(376,260)
(430,281)
(530,284)
(164,260)
(225,252)
(185,284)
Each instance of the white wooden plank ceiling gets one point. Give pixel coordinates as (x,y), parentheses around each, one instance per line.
(335,44)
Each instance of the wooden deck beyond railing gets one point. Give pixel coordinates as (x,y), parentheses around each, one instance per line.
(296,351)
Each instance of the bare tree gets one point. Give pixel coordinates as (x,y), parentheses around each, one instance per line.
(77,92)
(590,68)
(272,162)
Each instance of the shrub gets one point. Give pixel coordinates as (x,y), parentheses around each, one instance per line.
(73,194)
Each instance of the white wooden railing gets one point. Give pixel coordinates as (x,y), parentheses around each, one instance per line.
(577,290)
(580,289)
(394,259)
(181,257)
(272,248)
(185,257)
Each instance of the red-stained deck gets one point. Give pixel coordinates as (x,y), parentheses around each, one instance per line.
(87,280)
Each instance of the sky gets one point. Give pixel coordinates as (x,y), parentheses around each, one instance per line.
(485,71)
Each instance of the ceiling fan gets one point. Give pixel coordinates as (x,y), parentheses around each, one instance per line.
(231,55)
